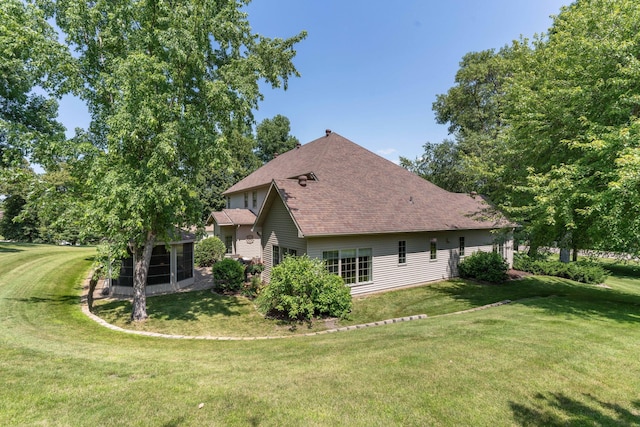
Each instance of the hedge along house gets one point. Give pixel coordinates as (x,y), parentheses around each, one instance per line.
(170,269)
(375,224)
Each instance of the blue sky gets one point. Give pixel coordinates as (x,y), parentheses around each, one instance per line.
(370,70)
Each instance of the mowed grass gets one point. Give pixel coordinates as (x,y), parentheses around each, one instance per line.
(566,357)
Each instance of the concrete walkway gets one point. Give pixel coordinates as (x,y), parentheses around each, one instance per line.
(202,284)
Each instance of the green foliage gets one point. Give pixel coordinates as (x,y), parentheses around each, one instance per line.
(485,266)
(580,271)
(208,251)
(166,84)
(228,275)
(252,288)
(14,227)
(273,138)
(301,288)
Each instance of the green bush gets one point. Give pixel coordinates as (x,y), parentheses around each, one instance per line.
(580,271)
(252,288)
(228,275)
(485,266)
(301,288)
(208,251)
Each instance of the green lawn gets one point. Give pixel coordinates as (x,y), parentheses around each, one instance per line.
(565,354)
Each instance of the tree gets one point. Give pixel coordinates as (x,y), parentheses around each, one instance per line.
(573,122)
(31,57)
(273,138)
(474,110)
(164,82)
(441,165)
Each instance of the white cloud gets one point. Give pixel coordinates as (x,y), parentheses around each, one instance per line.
(386,151)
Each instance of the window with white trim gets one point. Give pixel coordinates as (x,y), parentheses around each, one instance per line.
(353,265)
(254,200)
(246,200)
(228,243)
(402,252)
(433,249)
(461,246)
(275,255)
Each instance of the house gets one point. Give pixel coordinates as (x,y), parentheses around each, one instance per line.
(376,224)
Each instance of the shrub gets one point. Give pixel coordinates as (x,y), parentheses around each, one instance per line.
(580,271)
(485,266)
(228,275)
(208,251)
(252,288)
(301,288)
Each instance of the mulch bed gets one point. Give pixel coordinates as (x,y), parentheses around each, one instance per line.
(517,274)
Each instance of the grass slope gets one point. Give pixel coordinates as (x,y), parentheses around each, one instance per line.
(566,359)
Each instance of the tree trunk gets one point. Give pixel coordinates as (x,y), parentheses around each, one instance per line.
(140,272)
(575,254)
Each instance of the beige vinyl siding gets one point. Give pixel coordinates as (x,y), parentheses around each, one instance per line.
(387,273)
(237,199)
(279,229)
(247,243)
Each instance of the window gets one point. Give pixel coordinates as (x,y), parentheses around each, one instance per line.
(184,258)
(433,249)
(353,265)
(246,200)
(461,246)
(228,243)
(159,266)
(364,265)
(275,255)
(332,261)
(348,266)
(402,252)
(228,202)
(254,199)
(499,247)
(291,252)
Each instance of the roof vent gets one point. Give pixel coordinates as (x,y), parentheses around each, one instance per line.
(298,145)
(473,194)
(328,132)
(302,180)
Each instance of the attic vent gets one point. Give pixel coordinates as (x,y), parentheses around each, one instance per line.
(328,132)
(473,194)
(302,180)
(298,145)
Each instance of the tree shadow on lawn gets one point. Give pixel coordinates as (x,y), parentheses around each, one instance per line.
(557,409)
(11,247)
(53,300)
(554,295)
(186,306)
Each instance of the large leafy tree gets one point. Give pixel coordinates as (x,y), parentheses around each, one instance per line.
(30,57)
(272,137)
(164,81)
(34,67)
(473,109)
(573,114)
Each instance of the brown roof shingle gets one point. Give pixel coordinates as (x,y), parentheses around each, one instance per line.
(358,192)
(234,217)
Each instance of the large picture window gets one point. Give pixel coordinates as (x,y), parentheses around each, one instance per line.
(353,265)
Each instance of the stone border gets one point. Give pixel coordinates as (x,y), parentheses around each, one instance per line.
(99,320)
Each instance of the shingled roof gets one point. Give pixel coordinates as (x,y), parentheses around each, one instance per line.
(350,190)
(234,217)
